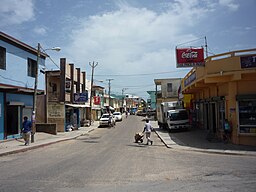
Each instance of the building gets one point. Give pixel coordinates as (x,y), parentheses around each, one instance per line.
(166,90)
(18,64)
(98,101)
(66,97)
(152,100)
(225,89)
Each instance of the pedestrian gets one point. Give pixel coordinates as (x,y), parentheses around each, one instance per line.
(110,120)
(148,129)
(227,131)
(26,130)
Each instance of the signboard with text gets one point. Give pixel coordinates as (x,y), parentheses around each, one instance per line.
(80,97)
(248,61)
(189,57)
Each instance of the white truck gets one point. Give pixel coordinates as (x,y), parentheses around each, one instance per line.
(172,115)
(178,119)
(162,112)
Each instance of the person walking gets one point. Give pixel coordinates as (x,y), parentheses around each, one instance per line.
(26,130)
(148,129)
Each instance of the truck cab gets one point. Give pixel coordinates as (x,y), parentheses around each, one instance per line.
(178,119)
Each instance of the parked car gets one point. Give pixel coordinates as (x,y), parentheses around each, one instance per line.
(105,118)
(118,116)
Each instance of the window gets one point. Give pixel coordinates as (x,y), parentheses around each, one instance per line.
(169,87)
(2,58)
(31,67)
(247,116)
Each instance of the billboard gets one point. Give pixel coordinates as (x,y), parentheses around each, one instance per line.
(81,97)
(190,57)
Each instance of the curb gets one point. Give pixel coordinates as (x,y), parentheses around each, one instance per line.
(43,144)
(209,151)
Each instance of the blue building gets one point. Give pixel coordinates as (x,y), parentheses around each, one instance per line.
(152,100)
(18,64)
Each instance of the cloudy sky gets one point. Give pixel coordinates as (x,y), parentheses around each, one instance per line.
(133,41)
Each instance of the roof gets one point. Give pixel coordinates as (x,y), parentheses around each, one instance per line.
(11,40)
(160,81)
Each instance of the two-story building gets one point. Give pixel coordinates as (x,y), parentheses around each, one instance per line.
(225,89)
(166,90)
(18,64)
(66,96)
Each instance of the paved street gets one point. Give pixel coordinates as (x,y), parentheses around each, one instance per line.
(109,160)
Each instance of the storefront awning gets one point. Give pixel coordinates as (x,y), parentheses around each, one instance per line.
(77,105)
(110,107)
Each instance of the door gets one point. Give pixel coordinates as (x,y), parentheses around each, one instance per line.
(13,120)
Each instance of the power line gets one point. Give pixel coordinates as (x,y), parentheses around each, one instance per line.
(144,74)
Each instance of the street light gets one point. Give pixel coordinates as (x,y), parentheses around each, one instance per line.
(35,88)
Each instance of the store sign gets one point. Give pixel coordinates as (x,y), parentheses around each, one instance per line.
(55,110)
(190,57)
(248,61)
(96,100)
(68,85)
(81,97)
(190,79)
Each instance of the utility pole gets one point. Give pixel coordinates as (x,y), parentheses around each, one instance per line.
(33,118)
(93,65)
(123,97)
(109,88)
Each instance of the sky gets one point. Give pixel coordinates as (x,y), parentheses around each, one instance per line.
(133,41)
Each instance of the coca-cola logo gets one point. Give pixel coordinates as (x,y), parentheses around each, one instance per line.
(189,54)
(189,57)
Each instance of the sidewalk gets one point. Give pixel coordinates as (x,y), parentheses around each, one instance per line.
(42,139)
(195,140)
(192,140)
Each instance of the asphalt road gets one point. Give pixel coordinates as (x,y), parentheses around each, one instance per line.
(109,160)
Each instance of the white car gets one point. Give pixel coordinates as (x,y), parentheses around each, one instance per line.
(118,116)
(105,118)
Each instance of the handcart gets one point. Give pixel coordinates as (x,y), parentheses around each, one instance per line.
(138,137)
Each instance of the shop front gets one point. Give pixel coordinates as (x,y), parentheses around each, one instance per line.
(224,90)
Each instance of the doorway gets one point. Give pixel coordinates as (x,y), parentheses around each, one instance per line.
(13,120)
(212,117)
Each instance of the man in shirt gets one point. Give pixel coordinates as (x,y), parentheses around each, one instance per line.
(148,129)
(26,130)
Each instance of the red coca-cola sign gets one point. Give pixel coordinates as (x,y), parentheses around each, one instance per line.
(96,100)
(190,57)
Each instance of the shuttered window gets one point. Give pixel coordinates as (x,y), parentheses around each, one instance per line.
(2,58)
(31,67)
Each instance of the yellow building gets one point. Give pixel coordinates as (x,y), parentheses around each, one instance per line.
(225,88)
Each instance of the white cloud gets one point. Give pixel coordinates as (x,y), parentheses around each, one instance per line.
(16,11)
(135,40)
(229,4)
(40,30)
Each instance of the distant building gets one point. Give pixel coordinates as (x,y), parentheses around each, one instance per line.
(152,99)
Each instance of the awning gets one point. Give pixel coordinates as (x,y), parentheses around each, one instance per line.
(110,107)
(77,105)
